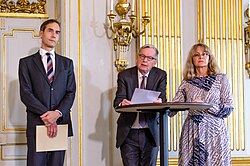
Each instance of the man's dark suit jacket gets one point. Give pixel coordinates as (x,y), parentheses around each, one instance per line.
(39,96)
(127,82)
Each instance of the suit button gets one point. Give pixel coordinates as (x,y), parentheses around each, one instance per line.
(52,89)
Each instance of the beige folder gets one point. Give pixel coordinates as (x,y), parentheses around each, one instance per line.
(44,143)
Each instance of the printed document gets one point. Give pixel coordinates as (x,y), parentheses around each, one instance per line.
(142,96)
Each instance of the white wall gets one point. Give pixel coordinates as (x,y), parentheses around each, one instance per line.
(98,84)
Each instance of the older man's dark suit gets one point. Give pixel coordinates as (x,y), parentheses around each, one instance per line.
(127,82)
(39,96)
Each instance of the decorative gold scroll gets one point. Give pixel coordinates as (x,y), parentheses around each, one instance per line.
(23,6)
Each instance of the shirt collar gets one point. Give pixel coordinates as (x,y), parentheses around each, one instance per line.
(140,75)
(43,52)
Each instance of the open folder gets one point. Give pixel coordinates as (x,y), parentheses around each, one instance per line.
(44,143)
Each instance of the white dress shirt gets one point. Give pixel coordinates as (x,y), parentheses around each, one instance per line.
(44,58)
(136,124)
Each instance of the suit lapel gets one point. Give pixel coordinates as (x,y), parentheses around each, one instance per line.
(57,68)
(151,78)
(38,61)
(134,81)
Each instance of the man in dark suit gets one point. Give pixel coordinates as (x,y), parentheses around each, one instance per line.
(138,141)
(47,88)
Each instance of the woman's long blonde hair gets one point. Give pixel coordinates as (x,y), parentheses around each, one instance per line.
(189,71)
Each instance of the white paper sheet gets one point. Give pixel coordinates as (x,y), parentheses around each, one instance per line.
(44,143)
(141,96)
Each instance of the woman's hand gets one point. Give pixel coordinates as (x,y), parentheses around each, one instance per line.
(197,100)
(159,100)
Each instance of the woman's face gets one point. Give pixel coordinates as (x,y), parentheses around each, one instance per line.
(200,58)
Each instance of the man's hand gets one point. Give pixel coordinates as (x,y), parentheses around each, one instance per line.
(125,102)
(52,130)
(159,100)
(50,117)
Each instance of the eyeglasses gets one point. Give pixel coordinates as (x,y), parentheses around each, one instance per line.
(149,58)
(205,54)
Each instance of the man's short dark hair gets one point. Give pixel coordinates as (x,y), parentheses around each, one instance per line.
(45,23)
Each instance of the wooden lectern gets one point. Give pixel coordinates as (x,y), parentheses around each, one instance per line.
(163,109)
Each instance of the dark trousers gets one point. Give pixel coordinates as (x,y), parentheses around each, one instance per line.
(52,158)
(138,150)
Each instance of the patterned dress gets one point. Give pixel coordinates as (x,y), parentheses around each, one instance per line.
(204,139)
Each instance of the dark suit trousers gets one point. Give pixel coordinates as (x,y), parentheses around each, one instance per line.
(53,158)
(138,150)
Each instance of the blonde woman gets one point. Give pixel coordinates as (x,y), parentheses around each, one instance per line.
(204,139)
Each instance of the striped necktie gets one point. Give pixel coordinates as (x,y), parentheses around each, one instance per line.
(49,68)
(142,118)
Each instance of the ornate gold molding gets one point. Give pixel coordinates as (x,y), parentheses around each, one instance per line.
(23,15)
(23,6)
(79,86)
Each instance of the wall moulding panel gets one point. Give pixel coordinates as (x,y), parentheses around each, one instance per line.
(13,152)
(11,104)
(23,15)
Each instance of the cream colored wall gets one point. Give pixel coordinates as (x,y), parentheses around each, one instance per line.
(94,64)
(94,59)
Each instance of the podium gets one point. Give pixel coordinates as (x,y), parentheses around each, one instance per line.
(163,109)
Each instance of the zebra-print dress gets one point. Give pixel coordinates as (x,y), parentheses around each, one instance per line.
(204,139)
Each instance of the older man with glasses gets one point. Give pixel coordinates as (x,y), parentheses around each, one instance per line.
(137,133)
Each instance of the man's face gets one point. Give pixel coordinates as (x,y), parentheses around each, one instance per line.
(50,36)
(146,60)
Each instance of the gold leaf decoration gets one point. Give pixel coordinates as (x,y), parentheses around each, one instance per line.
(23,6)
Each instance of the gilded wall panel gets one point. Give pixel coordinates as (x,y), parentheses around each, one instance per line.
(165,33)
(220,26)
(15,43)
(226,41)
